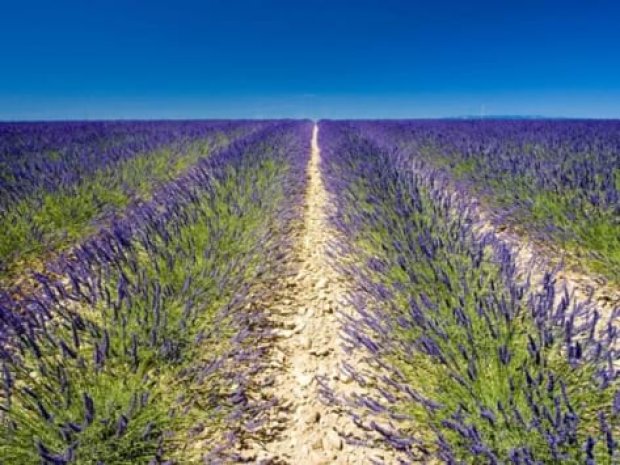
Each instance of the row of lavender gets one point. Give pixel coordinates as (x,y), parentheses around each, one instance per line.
(59,180)
(478,366)
(144,348)
(553,180)
(46,156)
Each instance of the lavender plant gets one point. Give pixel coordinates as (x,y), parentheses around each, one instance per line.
(46,156)
(57,181)
(555,181)
(144,348)
(479,366)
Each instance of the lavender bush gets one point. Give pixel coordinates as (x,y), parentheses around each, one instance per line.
(555,181)
(142,349)
(59,181)
(480,366)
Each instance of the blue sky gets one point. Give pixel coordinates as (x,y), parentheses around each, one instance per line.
(322,58)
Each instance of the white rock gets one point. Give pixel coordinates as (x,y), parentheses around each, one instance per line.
(300,327)
(304,379)
(317,444)
(332,441)
(321,351)
(279,357)
(311,415)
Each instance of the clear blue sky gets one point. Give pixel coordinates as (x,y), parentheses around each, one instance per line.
(321,58)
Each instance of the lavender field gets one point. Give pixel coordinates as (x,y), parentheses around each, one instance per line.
(290,292)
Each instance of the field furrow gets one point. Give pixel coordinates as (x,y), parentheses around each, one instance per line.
(307,357)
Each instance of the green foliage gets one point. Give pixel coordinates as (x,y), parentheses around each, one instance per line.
(383,233)
(590,233)
(52,221)
(221,248)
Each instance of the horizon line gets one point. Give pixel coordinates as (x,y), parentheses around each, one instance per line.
(253,118)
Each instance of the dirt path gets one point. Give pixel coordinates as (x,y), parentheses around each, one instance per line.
(303,430)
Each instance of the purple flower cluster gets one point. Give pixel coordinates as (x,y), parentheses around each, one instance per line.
(60,181)
(147,334)
(478,362)
(44,156)
(553,156)
(558,181)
